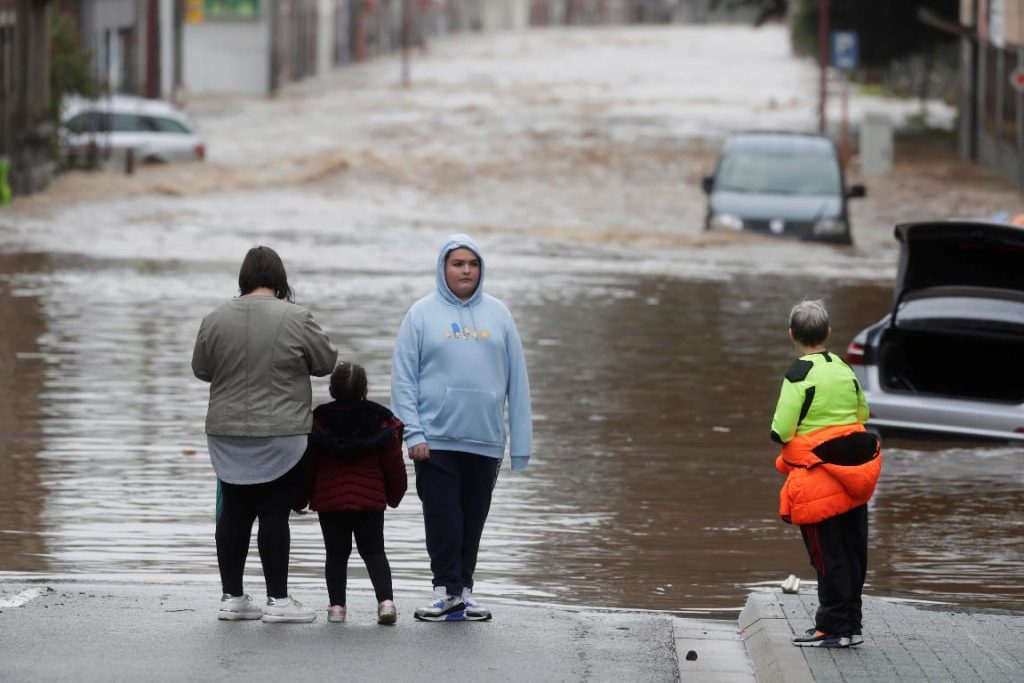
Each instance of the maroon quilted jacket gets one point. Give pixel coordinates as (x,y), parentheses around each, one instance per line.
(355,457)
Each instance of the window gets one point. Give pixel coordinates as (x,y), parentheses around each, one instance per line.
(165,125)
(89,122)
(80,123)
(129,123)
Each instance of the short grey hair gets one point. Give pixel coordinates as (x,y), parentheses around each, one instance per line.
(809,322)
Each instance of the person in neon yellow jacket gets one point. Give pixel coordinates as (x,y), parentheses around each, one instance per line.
(832,466)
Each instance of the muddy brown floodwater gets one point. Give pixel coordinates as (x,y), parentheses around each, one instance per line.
(655,349)
(651,486)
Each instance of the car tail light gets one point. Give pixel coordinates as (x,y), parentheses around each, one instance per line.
(855,354)
(200,151)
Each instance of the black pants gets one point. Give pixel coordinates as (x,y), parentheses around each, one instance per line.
(455,489)
(368,527)
(838,548)
(242,504)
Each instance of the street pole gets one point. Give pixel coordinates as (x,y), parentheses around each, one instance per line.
(406,41)
(360,37)
(822,62)
(844,124)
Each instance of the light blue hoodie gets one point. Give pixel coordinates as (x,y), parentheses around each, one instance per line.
(456,364)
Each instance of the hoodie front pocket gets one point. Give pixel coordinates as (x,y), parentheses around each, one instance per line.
(469,415)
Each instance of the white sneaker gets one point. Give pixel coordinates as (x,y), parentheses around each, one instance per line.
(292,612)
(238,608)
(474,610)
(443,608)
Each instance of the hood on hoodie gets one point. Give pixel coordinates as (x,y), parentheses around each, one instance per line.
(458,241)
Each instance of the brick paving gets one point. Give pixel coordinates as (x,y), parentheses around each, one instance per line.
(905,642)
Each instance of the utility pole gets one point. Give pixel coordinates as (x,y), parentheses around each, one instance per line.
(822,62)
(406,43)
(359,50)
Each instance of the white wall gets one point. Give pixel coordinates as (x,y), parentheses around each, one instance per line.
(324,38)
(505,15)
(230,57)
(166,30)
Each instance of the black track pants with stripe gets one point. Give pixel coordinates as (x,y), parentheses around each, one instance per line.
(838,548)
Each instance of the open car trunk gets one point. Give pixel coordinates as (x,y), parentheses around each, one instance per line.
(957,364)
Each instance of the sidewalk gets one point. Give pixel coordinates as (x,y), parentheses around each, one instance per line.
(903,642)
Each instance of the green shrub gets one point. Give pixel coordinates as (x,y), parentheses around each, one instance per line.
(70,71)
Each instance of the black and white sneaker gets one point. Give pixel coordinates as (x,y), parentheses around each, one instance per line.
(856,638)
(816,638)
(444,608)
(474,610)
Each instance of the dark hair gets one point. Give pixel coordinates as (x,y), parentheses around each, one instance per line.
(262,267)
(348,382)
(809,322)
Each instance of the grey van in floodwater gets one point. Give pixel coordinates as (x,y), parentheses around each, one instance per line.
(780,183)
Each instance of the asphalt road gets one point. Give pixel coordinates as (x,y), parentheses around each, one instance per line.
(78,632)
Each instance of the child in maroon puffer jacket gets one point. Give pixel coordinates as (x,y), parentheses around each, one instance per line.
(355,465)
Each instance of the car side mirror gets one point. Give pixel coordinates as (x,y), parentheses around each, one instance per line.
(708,183)
(856,191)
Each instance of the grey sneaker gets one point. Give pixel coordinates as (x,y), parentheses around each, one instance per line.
(856,638)
(443,608)
(815,638)
(474,610)
(292,612)
(238,608)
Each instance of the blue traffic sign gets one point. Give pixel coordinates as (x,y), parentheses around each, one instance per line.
(845,50)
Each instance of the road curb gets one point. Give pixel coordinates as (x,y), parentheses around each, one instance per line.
(711,652)
(766,635)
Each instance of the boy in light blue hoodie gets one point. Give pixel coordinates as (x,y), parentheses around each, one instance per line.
(458,360)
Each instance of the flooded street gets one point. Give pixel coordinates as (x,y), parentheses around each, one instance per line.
(655,350)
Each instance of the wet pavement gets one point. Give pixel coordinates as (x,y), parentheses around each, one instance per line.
(113,632)
(919,643)
(655,349)
(96,632)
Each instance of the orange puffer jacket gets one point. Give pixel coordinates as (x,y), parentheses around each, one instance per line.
(829,471)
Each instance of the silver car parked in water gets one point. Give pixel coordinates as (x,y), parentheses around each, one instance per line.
(949,356)
(152,130)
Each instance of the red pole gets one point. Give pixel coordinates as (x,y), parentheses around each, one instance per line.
(360,46)
(822,61)
(844,128)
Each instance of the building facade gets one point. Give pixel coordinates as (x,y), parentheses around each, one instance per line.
(135,44)
(24,95)
(991,102)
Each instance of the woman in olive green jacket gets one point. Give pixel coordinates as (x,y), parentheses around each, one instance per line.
(258,351)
